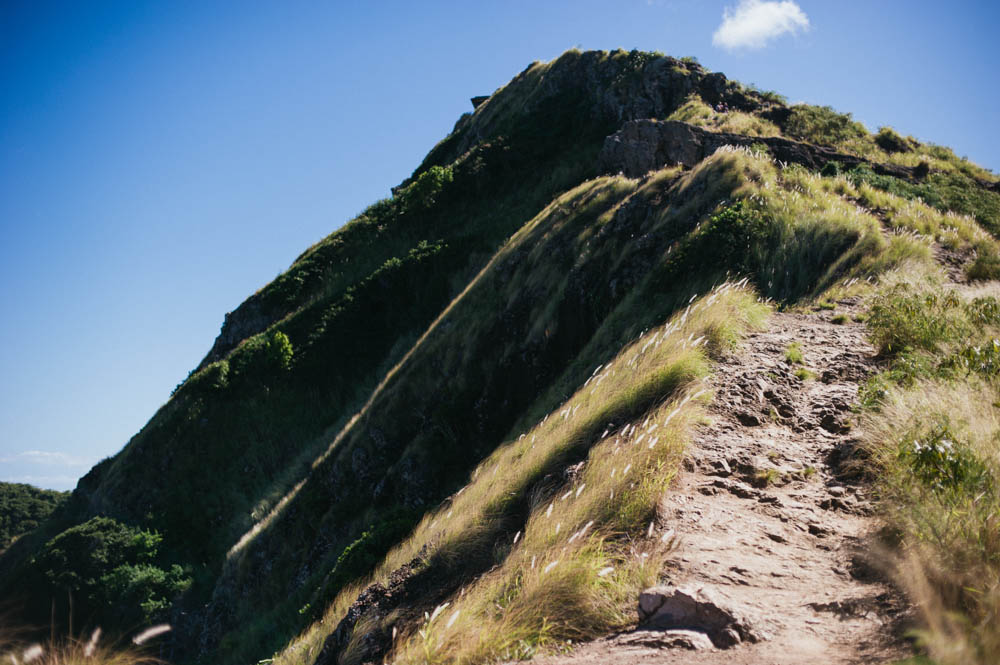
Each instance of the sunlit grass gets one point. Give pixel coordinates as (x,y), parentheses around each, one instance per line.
(697,112)
(572,568)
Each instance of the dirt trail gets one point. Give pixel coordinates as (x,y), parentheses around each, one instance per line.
(770,515)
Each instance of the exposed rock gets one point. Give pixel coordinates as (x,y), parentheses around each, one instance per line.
(612,89)
(691,640)
(478,100)
(373,604)
(641,146)
(250,318)
(695,609)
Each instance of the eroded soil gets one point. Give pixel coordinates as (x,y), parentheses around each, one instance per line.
(772,513)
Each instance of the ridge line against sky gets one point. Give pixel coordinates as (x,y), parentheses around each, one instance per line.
(159,162)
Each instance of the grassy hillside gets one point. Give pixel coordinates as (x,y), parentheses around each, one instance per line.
(402,358)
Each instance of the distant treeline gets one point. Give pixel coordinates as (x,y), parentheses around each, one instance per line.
(24,507)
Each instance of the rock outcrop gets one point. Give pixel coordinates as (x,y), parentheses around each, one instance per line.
(641,146)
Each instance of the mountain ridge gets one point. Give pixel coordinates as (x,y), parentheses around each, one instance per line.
(345,399)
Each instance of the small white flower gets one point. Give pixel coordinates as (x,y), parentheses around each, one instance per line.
(150,633)
(437,611)
(32,653)
(88,651)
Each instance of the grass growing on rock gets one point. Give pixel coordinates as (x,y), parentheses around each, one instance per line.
(697,112)
(571,550)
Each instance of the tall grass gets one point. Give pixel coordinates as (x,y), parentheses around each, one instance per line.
(933,429)
(570,551)
(90,649)
(696,112)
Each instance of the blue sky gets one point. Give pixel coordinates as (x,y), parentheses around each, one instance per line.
(160,161)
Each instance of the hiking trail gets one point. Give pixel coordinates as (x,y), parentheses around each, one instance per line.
(771,517)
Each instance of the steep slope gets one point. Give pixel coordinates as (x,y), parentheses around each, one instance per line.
(347,398)
(180,474)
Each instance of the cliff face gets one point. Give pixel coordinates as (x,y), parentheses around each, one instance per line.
(356,391)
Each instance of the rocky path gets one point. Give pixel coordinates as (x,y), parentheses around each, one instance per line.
(771,518)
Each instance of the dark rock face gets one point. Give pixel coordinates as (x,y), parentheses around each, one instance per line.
(372,607)
(245,321)
(610,89)
(641,146)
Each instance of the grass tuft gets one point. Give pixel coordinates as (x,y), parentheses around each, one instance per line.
(793,354)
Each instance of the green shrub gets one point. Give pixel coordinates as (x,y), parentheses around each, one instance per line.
(872,392)
(143,586)
(423,192)
(734,230)
(890,141)
(823,125)
(278,351)
(901,318)
(110,570)
(941,461)
(983,359)
(830,170)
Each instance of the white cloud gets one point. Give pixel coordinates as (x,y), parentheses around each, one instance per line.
(755,22)
(61,483)
(46,458)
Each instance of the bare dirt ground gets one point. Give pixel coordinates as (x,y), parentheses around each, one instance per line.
(771,515)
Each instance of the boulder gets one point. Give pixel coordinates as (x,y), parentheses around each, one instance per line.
(696,609)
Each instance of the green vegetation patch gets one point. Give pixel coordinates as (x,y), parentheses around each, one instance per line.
(23,508)
(110,572)
(930,420)
(822,125)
